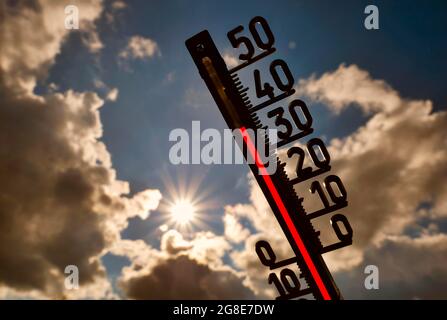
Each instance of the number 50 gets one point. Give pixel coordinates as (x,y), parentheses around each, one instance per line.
(237,40)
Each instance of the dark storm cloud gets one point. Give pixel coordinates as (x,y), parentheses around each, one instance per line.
(390,166)
(47,192)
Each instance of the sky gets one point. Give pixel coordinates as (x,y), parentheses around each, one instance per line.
(86,178)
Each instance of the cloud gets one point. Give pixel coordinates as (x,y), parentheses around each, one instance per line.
(259,216)
(348,85)
(109,94)
(169,78)
(140,48)
(393,168)
(168,281)
(230,60)
(119,5)
(111,15)
(28,55)
(197,98)
(409,268)
(161,274)
(392,164)
(60,201)
(233,229)
(90,37)
(112,95)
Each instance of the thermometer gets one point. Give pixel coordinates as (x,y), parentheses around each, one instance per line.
(241,116)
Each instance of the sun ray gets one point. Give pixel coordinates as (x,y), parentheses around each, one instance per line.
(187,203)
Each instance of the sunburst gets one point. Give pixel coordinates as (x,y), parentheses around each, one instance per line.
(186,204)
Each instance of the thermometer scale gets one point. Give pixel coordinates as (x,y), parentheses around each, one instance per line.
(241,116)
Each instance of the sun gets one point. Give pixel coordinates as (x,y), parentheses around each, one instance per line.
(187,206)
(183,212)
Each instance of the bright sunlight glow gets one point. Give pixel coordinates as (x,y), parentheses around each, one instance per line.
(183,212)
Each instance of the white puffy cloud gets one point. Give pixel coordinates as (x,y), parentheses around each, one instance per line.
(110,94)
(409,268)
(25,54)
(230,60)
(233,229)
(119,5)
(181,269)
(197,98)
(60,202)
